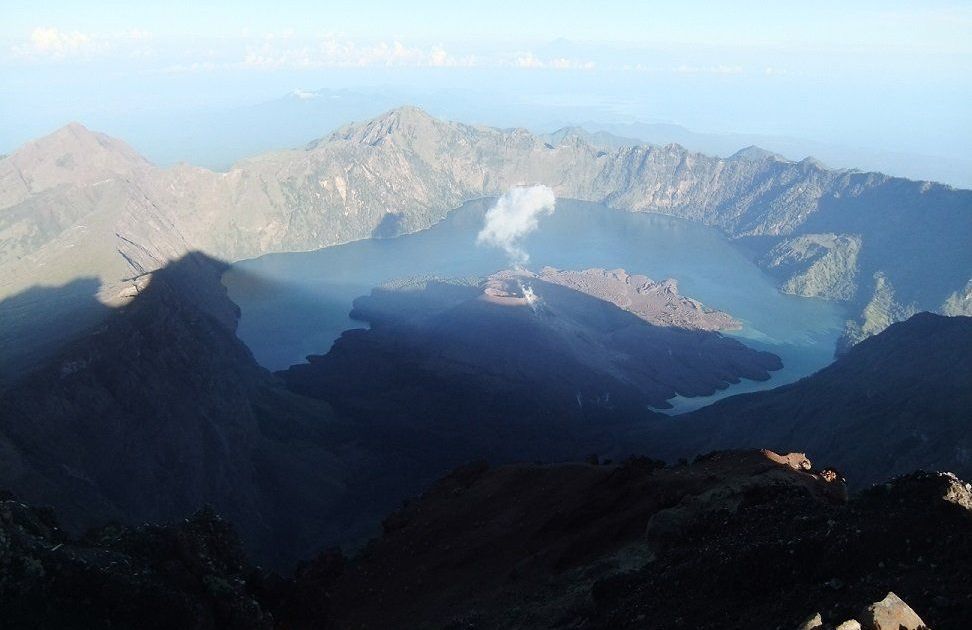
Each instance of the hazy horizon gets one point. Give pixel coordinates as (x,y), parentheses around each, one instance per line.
(886,84)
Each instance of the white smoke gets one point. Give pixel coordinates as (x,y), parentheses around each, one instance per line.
(532,299)
(514,216)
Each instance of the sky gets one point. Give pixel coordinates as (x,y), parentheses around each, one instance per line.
(894,76)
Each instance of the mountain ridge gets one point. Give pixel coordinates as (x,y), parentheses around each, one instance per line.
(410,168)
(895,402)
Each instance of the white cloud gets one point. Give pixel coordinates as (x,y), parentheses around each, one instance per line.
(717,69)
(136,34)
(338,52)
(53,43)
(304,95)
(196,66)
(529,60)
(333,51)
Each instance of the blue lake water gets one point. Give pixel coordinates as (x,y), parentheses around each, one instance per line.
(297,304)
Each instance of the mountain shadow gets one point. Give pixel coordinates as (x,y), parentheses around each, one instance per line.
(49,317)
(513,368)
(160,410)
(390,226)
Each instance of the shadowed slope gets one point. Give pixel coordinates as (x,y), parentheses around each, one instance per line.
(160,410)
(745,539)
(896,402)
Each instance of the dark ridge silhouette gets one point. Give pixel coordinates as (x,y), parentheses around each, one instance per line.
(160,410)
(895,402)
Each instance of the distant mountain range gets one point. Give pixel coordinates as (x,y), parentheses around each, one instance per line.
(953,170)
(217,137)
(77,204)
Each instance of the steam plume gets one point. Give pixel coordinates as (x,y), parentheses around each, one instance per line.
(513,217)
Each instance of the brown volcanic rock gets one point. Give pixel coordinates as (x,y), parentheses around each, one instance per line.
(658,303)
(523,545)
(538,546)
(891,614)
(761,539)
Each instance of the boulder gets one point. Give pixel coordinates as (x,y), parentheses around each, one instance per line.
(891,613)
(815,622)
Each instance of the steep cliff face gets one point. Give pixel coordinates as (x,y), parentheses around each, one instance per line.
(960,302)
(817,265)
(69,201)
(81,202)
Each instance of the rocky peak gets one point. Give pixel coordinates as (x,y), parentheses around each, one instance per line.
(75,138)
(928,489)
(72,155)
(813,163)
(578,136)
(401,121)
(753,153)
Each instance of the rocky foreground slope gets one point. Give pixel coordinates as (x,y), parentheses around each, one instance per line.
(746,539)
(734,540)
(79,204)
